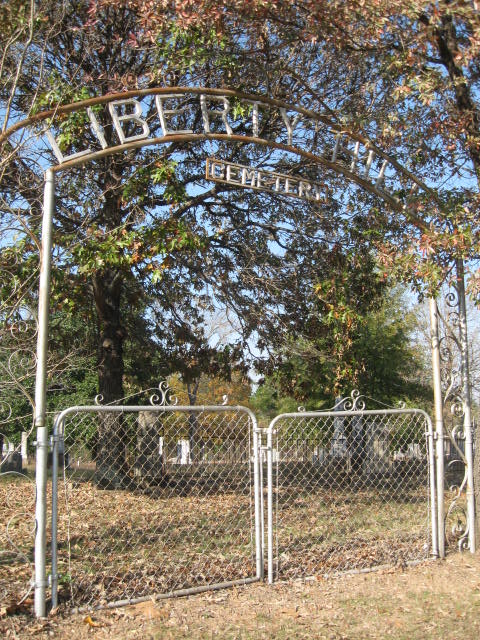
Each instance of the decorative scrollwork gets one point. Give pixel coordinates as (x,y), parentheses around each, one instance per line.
(354,402)
(456,517)
(358,402)
(165,397)
(5,441)
(162,396)
(451,298)
(457,409)
(5,411)
(446,351)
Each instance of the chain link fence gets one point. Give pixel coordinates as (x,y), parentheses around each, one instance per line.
(153,500)
(350,491)
(17,527)
(160,500)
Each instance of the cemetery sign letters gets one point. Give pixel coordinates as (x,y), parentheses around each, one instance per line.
(261,180)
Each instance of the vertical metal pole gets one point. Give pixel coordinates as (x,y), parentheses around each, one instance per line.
(439,433)
(433,500)
(467,401)
(270,505)
(262,501)
(40,397)
(257,488)
(57,434)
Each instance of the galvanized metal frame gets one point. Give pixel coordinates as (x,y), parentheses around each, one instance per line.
(439,430)
(58,431)
(339,414)
(42,442)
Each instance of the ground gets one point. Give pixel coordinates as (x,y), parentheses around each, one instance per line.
(434,600)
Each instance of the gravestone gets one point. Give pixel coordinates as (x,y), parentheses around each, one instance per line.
(339,444)
(149,464)
(12,462)
(377,461)
(24,446)
(183,452)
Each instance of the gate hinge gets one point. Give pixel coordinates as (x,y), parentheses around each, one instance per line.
(53,579)
(40,584)
(41,445)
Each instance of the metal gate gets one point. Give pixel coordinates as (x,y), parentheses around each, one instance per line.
(153,501)
(349,490)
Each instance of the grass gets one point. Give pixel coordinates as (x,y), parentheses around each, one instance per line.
(153,543)
(434,601)
(339,529)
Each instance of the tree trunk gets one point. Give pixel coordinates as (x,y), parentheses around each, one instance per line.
(192,390)
(111,470)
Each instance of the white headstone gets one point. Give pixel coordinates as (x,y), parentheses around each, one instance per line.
(183,451)
(24,446)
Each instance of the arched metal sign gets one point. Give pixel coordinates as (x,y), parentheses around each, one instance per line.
(188,114)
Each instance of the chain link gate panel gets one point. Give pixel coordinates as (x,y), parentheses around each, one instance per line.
(349,490)
(153,501)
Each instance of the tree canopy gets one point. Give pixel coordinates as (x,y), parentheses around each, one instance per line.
(146,248)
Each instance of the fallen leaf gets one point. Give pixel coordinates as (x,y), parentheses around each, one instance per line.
(150,611)
(91,623)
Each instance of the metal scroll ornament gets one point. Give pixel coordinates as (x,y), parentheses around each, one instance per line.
(354,402)
(457,526)
(358,402)
(456,518)
(164,396)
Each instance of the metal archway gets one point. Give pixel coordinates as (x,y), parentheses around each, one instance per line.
(308,135)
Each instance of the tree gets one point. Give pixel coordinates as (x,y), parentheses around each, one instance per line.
(380,360)
(140,226)
(128,229)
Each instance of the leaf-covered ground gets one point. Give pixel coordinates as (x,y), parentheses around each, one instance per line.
(117,544)
(436,600)
(123,545)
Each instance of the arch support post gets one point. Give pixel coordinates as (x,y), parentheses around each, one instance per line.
(40,397)
(466,402)
(439,429)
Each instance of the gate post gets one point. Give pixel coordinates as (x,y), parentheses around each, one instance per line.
(439,434)
(40,397)
(258,499)
(466,401)
(270,503)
